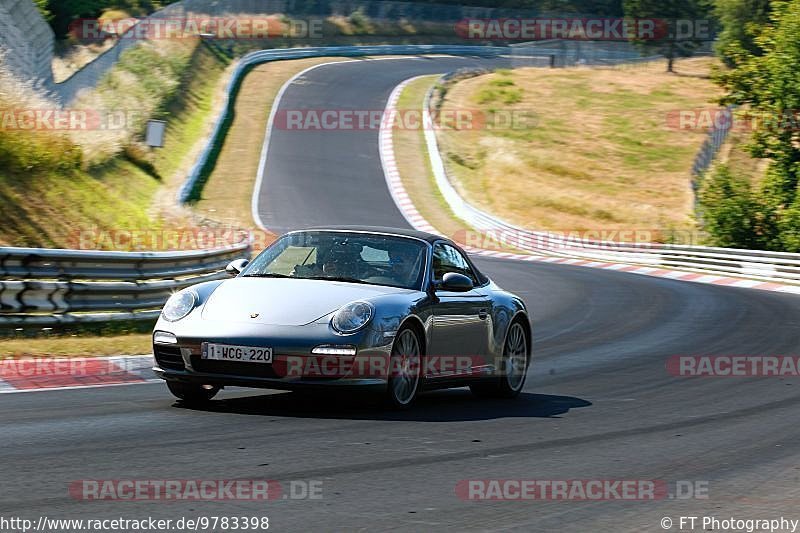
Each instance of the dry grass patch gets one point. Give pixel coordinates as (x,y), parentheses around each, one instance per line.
(77,346)
(600,154)
(735,155)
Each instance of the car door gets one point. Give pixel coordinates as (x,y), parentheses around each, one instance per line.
(459,333)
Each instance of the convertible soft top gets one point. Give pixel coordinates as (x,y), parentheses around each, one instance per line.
(430,237)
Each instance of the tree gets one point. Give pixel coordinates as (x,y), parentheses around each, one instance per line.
(44,8)
(741,22)
(732,214)
(767,84)
(687,25)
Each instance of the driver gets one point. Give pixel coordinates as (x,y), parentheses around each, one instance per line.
(340,262)
(403,261)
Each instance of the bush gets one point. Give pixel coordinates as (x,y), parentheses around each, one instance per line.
(360,22)
(141,86)
(24,150)
(733,214)
(789,228)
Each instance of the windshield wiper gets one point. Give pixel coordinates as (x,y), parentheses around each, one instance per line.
(266,275)
(340,278)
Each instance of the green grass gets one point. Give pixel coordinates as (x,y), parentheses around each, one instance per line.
(189,113)
(50,209)
(49,198)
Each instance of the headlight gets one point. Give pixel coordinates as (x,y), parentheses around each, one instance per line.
(179,305)
(352,317)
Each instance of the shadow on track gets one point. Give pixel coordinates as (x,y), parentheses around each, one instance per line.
(439,406)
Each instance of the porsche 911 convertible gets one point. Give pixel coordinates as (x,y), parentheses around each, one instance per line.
(390,311)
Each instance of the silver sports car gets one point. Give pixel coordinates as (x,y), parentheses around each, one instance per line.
(394,311)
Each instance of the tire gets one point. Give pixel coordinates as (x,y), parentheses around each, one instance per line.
(190,393)
(514,367)
(405,369)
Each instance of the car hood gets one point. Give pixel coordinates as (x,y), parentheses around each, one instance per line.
(284,302)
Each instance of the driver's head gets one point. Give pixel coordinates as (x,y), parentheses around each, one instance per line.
(332,265)
(403,260)
(339,261)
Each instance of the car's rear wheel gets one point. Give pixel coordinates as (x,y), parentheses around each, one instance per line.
(514,367)
(405,369)
(191,393)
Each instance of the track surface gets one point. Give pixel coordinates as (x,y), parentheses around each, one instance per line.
(598,402)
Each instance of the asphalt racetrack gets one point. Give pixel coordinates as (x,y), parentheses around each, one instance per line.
(599,403)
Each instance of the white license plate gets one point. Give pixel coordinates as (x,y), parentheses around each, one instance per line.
(242,354)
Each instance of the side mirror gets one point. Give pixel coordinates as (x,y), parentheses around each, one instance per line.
(455,282)
(236,266)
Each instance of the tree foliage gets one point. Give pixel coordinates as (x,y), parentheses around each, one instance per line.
(733,214)
(60,13)
(741,21)
(765,82)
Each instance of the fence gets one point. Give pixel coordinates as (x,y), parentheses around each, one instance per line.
(565,53)
(43,286)
(711,146)
(562,52)
(90,74)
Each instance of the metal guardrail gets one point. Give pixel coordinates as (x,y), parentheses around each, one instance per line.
(47,286)
(779,267)
(44,286)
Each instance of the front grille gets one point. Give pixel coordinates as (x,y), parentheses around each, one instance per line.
(255,370)
(168,357)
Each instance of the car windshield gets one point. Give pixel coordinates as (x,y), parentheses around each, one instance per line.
(343,256)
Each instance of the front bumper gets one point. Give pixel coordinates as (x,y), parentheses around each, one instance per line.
(293,367)
(233,380)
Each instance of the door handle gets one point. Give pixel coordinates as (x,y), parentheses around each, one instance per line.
(482,314)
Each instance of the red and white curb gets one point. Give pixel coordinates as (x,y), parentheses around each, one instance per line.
(28,374)
(413,216)
(389,163)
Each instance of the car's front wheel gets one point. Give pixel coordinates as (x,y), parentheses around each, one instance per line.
(191,393)
(405,369)
(514,367)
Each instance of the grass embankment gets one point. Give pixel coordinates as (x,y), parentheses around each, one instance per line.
(735,156)
(601,154)
(54,185)
(76,345)
(225,196)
